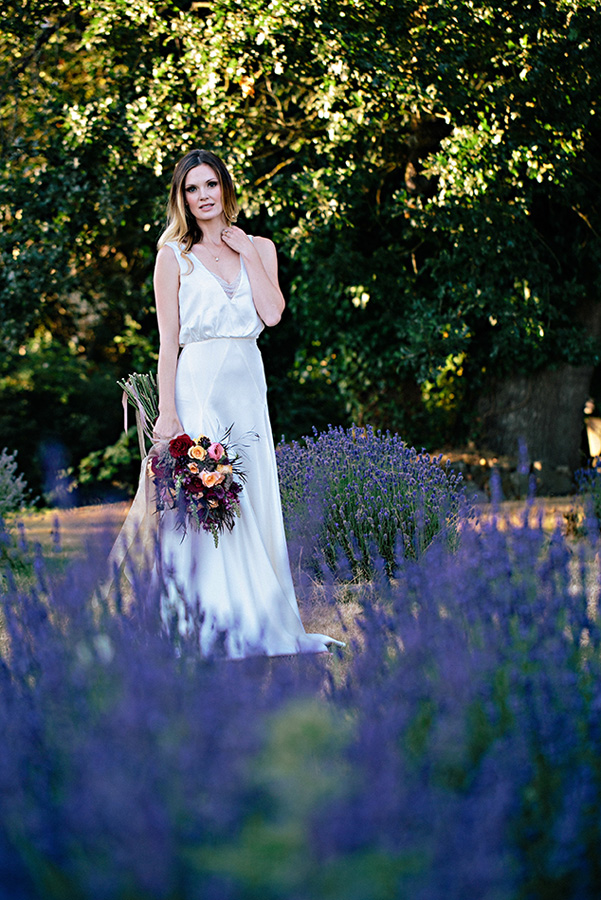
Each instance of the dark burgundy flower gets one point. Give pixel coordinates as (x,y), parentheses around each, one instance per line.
(195,486)
(158,467)
(180,445)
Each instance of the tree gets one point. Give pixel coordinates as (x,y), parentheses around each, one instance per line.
(428,169)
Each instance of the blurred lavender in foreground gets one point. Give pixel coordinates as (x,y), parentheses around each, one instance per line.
(453,752)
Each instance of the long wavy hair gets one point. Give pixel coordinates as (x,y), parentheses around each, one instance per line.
(181,224)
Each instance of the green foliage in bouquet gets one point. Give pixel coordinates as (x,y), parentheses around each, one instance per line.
(142,392)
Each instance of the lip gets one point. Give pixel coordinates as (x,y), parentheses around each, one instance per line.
(205,206)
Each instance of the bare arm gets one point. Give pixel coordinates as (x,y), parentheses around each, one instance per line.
(260,259)
(166,287)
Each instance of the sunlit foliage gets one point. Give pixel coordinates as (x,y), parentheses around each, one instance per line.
(428,170)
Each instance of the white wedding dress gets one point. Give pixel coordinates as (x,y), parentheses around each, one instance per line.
(242,590)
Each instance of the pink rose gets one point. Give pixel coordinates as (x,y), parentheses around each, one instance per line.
(216,451)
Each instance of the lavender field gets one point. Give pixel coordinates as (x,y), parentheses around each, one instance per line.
(451,750)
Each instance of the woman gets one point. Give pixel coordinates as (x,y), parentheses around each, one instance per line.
(216,289)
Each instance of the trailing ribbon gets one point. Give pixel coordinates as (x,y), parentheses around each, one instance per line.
(135,547)
(136,543)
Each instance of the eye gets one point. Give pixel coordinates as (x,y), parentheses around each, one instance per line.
(190,189)
(212,184)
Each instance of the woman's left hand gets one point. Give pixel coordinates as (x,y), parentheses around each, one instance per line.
(238,240)
(261,263)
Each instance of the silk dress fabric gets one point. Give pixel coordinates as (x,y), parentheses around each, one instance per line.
(242,590)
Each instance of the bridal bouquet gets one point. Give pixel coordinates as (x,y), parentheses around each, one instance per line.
(198,479)
(201,478)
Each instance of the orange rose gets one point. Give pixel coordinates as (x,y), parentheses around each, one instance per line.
(213,504)
(226,469)
(210,479)
(197,452)
(193,468)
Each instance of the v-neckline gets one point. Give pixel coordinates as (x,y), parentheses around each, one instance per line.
(218,278)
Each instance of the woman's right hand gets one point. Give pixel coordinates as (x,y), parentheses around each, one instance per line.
(167,427)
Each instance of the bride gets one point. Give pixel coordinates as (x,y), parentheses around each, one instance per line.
(216,289)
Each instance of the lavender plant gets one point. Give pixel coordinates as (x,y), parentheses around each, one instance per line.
(589,486)
(455,753)
(13,487)
(358,490)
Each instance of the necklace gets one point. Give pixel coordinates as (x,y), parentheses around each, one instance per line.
(216,258)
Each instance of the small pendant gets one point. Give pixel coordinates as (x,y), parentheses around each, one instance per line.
(216,259)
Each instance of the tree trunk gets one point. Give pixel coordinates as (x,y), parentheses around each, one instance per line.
(544,411)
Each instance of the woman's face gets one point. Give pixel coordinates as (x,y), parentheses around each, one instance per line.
(203,193)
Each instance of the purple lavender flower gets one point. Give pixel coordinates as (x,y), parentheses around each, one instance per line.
(453,752)
(373,489)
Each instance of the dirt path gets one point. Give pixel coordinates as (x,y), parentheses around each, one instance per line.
(79,526)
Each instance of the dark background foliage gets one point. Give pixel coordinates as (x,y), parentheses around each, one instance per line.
(429,172)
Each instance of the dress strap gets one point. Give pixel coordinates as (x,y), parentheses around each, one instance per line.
(186,265)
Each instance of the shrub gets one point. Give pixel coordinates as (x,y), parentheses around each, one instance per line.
(359,491)
(13,488)
(115,470)
(54,395)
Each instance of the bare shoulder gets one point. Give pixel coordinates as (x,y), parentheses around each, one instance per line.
(265,248)
(262,241)
(166,273)
(166,257)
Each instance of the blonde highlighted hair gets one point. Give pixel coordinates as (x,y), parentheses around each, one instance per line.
(181,224)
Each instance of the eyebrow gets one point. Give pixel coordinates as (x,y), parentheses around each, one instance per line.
(195,183)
